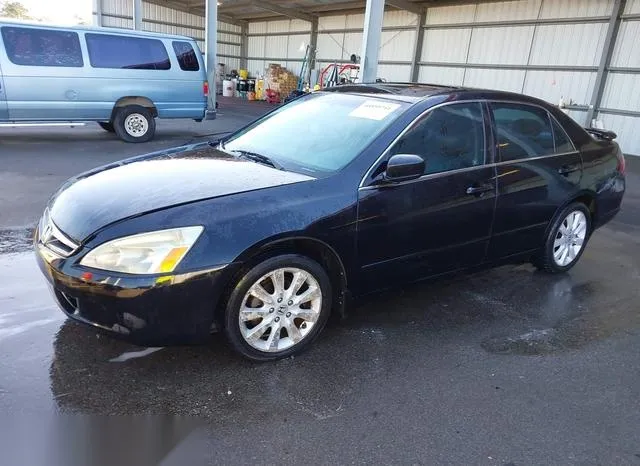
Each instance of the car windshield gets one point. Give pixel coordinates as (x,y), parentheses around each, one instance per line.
(319,133)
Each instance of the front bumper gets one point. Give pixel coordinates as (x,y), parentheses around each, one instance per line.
(146,310)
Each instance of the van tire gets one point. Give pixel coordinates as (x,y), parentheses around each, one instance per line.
(134,123)
(107,126)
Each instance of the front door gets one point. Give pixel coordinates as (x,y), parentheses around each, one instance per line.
(4,111)
(439,222)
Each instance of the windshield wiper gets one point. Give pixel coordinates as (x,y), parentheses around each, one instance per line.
(263,159)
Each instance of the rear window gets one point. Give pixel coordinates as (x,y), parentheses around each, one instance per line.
(42,47)
(136,53)
(187,57)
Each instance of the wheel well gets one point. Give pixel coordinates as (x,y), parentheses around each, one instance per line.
(590,201)
(313,249)
(134,100)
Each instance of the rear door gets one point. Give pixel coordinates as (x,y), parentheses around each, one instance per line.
(538,170)
(4,111)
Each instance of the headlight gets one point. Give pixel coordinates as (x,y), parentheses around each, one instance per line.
(147,253)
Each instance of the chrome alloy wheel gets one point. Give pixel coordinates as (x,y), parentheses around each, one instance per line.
(136,125)
(570,238)
(280,309)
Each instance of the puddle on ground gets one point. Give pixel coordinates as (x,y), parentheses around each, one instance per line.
(15,240)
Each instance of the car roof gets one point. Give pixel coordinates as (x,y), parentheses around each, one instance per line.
(416,92)
(82,28)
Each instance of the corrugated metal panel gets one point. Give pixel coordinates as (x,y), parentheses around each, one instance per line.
(553,47)
(118,7)
(578,116)
(506,80)
(626,53)
(278,26)
(626,129)
(441,75)
(258,28)
(507,45)
(226,49)
(276,46)
(355,21)
(294,66)
(451,14)
(255,67)
(223,36)
(396,45)
(296,43)
(255,46)
(399,18)
(576,8)
(633,7)
(352,44)
(297,25)
(397,73)
(506,11)
(330,46)
(622,92)
(446,45)
(229,63)
(551,85)
(117,22)
(332,22)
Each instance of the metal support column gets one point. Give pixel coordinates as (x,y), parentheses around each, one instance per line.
(605,59)
(244,47)
(371,40)
(137,15)
(211,48)
(313,45)
(97,13)
(417,50)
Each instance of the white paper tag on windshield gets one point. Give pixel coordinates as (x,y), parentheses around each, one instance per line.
(374,110)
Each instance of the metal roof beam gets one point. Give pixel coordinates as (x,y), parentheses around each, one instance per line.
(295,14)
(195,10)
(407,6)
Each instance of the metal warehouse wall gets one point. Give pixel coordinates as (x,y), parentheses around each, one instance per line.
(119,14)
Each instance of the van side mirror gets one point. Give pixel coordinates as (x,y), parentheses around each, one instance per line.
(404,167)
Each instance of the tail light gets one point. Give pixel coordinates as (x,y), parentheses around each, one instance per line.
(622,164)
(205,88)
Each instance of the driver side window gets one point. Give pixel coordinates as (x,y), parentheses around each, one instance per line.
(448,138)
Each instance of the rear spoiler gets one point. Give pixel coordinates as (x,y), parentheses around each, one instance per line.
(602,133)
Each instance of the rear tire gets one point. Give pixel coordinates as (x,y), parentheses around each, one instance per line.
(107,126)
(134,123)
(278,308)
(566,240)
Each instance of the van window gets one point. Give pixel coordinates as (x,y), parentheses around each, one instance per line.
(186,56)
(42,47)
(110,51)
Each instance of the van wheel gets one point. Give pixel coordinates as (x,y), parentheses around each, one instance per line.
(134,124)
(107,126)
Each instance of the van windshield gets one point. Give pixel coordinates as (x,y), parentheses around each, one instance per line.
(319,133)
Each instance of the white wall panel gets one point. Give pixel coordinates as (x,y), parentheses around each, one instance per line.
(576,8)
(294,66)
(276,46)
(396,45)
(451,14)
(633,7)
(551,85)
(446,45)
(352,44)
(255,67)
(230,63)
(355,21)
(399,18)
(507,11)
(295,42)
(622,92)
(568,44)
(506,45)
(397,73)
(579,116)
(506,80)
(118,7)
(332,22)
(278,26)
(627,50)
(256,46)
(627,129)
(258,28)
(226,49)
(441,75)
(330,46)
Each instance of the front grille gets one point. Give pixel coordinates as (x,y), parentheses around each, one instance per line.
(50,236)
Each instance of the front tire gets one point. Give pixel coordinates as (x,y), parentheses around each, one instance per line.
(566,240)
(134,123)
(278,308)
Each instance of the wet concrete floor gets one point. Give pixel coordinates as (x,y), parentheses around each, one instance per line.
(502,367)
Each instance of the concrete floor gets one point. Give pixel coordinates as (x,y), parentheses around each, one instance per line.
(501,367)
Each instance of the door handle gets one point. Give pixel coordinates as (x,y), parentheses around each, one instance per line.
(568,169)
(483,188)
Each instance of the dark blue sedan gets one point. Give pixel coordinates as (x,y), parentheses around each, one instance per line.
(332,196)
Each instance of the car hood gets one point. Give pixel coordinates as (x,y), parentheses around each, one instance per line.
(97,198)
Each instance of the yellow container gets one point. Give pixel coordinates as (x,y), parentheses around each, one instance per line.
(244,74)
(260,89)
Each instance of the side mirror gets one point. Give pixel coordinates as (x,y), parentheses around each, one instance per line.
(403,167)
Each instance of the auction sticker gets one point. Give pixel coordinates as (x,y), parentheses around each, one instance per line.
(374,110)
